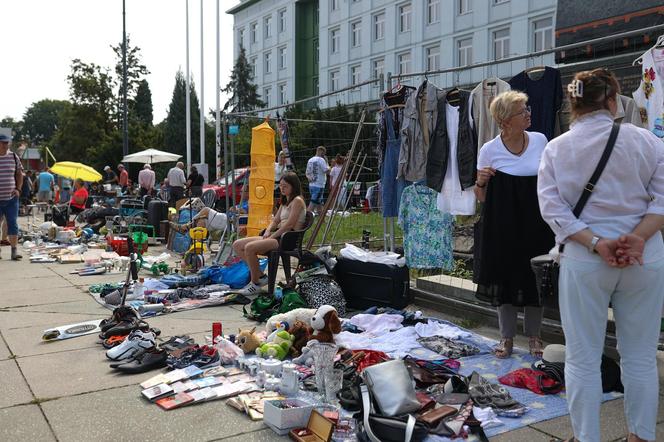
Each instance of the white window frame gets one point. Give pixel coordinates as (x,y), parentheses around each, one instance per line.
(281,22)
(252,63)
(375,63)
(465,52)
(431,58)
(253,32)
(433,11)
(405,17)
(281,58)
(500,44)
(267,26)
(404,58)
(355,74)
(334,5)
(240,37)
(356,34)
(464,7)
(335,78)
(378,26)
(281,94)
(267,91)
(498,2)
(267,62)
(543,31)
(335,40)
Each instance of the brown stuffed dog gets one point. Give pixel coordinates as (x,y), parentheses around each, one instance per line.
(325,324)
(247,340)
(301,334)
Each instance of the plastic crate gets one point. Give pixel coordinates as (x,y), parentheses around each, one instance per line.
(119,245)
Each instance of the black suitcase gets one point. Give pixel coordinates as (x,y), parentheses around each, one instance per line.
(368,284)
(157,212)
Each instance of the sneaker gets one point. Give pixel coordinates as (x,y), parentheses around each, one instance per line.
(250,289)
(150,359)
(208,357)
(16,257)
(137,341)
(113,341)
(262,281)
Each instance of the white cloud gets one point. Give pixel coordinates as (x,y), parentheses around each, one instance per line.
(41,37)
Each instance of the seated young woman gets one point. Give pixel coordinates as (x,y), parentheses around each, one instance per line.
(290,216)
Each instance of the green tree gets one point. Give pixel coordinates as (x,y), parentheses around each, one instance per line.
(135,70)
(142,103)
(244,93)
(41,119)
(16,127)
(175,129)
(91,86)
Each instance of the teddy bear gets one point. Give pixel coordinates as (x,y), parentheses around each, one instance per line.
(325,324)
(278,348)
(247,340)
(306,358)
(300,332)
(298,314)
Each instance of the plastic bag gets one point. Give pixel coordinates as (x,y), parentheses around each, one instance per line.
(236,275)
(228,352)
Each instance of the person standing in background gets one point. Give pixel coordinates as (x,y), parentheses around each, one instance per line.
(65,189)
(110,177)
(280,167)
(123,180)
(316,173)
(335,173)
(195,182)
(146,180)
(176,182)
(11,182)
(45,182)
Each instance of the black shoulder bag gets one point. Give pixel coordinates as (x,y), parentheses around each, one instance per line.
(545,267)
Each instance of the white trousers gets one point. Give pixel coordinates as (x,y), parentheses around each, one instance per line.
(636,294)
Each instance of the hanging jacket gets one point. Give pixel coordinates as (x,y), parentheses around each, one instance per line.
(438,154)
(413,152)
(480,99)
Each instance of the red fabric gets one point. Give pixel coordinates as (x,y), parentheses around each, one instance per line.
(82,192)
(370,358)
(531,379)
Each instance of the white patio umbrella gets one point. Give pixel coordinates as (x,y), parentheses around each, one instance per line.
(151,156)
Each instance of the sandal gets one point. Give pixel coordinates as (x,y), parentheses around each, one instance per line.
(504,349)
(536,347)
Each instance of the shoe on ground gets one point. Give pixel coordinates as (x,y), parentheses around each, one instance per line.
(208,357)
(17,257)
(149,359)
(263,281)
(113,341)
(177,343)
(250,289)
(136,342)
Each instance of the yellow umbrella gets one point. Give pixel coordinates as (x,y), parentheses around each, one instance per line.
(69,169)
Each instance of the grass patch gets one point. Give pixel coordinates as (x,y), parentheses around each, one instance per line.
(351,229)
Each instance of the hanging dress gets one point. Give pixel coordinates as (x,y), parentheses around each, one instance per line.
(512,232)
(391,187)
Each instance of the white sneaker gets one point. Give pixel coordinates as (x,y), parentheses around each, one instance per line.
(250,289)
(136,342)
(263,281)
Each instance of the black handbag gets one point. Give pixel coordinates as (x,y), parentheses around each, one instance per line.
(546,267)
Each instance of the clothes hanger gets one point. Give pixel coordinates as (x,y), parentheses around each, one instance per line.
(453,97)
(659,43)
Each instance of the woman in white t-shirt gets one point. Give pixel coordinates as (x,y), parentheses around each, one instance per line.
(512,230)
(335,173)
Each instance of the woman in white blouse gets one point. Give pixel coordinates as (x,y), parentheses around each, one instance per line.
(613,253)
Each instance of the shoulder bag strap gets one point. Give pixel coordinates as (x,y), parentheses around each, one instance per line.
(366,409)
(590,187)
(410,427)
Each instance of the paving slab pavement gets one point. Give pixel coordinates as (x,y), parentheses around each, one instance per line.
(24,423)
(4,350)
(10,319)
(17,297)
(12,385)
(83,306)
(23,343)
(265,435)
(27,283)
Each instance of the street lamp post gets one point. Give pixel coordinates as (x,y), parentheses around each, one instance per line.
(125,133)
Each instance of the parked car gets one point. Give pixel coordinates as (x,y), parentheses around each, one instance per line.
(223,187)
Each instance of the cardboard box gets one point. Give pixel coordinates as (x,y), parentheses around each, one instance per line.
(286,414)
(319,429)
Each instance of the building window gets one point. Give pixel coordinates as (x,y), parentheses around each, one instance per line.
(403,61)
(240,37)
(379,26)
(465,6)
(465,51)
(405,17)
(282,93)
(267,62)
(433,11)
(281,61)
(355,33)
(266,96)
(497,2)
(501,44)
(335,40)
(543,34)
(378,67)
(267,26)
(252,66)
(282,20)
(334,80)
(432,54)
(315,85)
(334,5)
(355,72)
(253,32)
(316,47)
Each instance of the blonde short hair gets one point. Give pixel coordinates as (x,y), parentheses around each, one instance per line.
(502,106)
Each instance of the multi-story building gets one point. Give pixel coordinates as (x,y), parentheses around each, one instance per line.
(300,48)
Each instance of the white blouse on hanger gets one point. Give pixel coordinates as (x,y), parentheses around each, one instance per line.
(452,199)
(649,96)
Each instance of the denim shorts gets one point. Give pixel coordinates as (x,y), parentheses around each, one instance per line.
(316,195)
(9,211)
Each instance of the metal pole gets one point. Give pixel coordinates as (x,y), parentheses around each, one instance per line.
(187,96)
(202,115)
(217,126)
(224,134)
(125,130)
(233,170)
